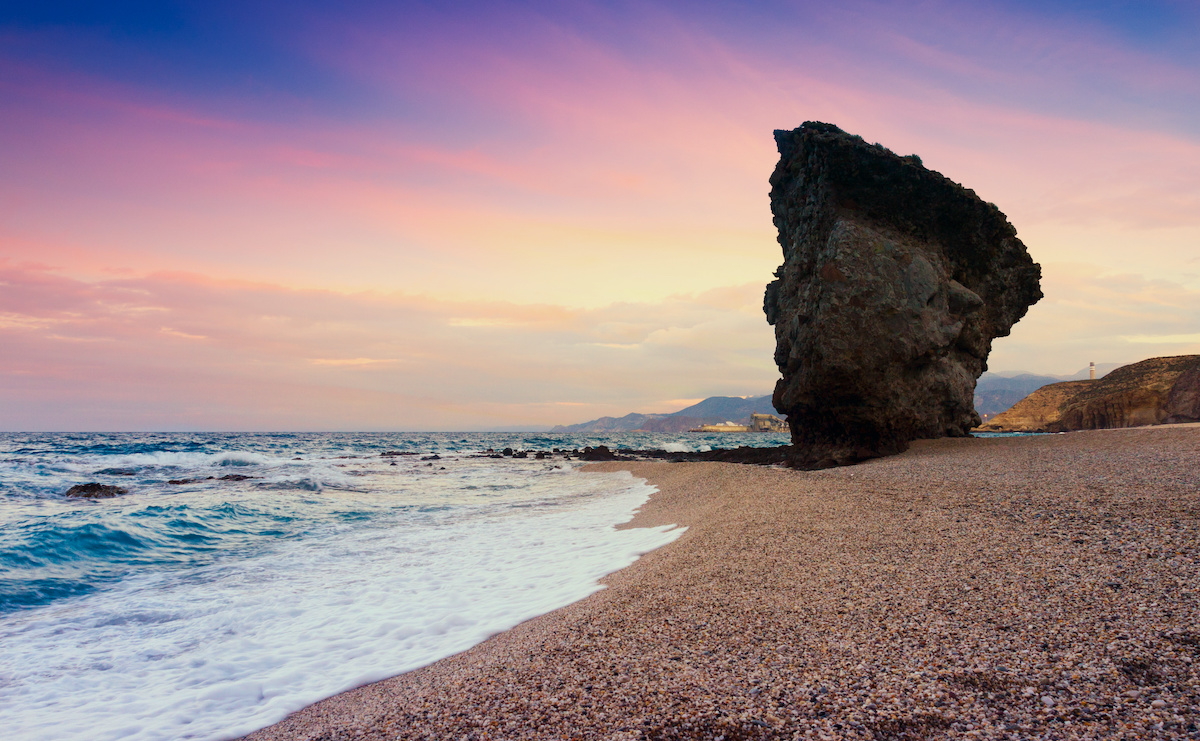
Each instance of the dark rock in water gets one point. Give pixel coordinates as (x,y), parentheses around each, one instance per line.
(894,282)
(507,451)
(744,454)
(765,456)
(236,477)
(388,454)
(434,457)
(177,482)
(95,490)
(598,453)
(1154,391)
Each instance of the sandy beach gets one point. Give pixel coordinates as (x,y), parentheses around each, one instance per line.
(1038,587)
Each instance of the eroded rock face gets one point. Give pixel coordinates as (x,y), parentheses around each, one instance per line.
(895,280)
(1154,391)
(94,490)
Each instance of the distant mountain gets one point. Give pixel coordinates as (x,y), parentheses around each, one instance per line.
(1102,370)
(713,410)
(673,423)
(728,407)
(995,393)
(628,423)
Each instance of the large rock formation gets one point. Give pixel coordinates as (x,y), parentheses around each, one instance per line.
(94,490)
(1154,391)
(894,282)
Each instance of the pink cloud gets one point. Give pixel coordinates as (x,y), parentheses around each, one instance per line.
(710,122)
(197,338)
(562,223)
(617,153)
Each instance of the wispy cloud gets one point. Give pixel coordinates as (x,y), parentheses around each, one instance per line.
(490,217)
(554,362)
(1165,339)
(1090,314)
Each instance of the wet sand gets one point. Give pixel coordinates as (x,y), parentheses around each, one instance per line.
(972,588)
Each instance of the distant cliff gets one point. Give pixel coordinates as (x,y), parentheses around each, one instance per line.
(1154,391)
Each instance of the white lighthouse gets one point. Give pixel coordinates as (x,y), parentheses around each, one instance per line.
(1092,370)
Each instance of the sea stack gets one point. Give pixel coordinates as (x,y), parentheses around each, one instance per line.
(894,282)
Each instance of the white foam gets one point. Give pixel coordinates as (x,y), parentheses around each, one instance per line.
(219,651)
(682,447)
(164,458)
(271,472)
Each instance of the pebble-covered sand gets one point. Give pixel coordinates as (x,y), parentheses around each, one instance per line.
(973,588)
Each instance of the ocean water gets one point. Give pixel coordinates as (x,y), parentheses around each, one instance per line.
(288,567)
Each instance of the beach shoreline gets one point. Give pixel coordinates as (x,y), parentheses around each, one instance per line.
(976,588)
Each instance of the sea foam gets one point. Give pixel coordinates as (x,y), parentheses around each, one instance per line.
(313,590)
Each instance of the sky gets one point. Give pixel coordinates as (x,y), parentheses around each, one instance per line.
(494,215)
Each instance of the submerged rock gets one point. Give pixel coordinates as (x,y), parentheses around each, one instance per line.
(895,280)
(601,453)
(598,453)
(93,490)
(1154,391)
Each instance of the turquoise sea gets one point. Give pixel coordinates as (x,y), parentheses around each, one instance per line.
(244,576)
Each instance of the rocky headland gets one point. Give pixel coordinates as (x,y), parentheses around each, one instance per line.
(895,281)
(1154,391)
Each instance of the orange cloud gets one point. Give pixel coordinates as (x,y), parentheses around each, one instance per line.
(197,335)
(1091,314)
(568,218)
